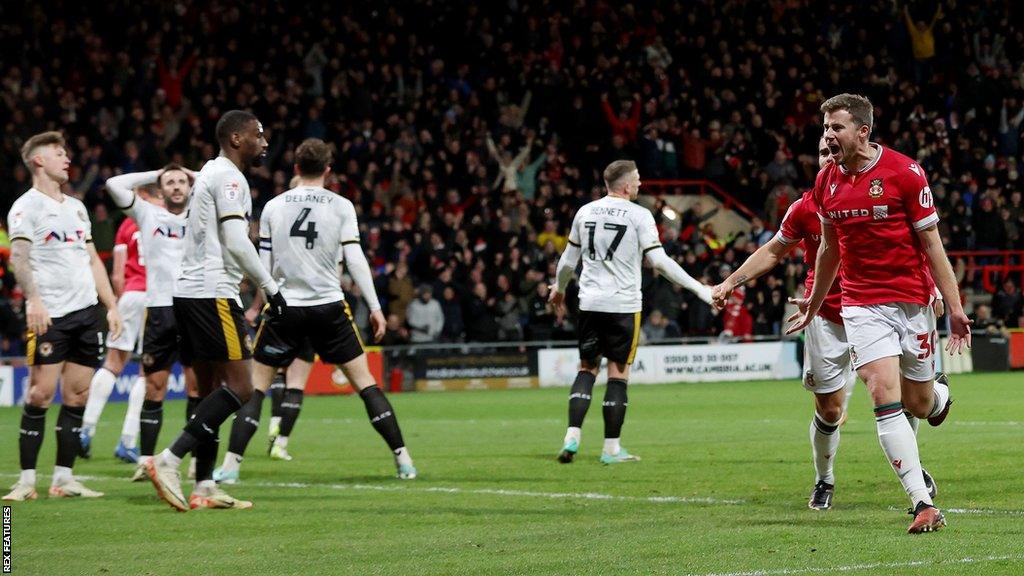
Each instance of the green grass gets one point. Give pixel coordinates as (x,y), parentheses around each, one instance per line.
(745,441)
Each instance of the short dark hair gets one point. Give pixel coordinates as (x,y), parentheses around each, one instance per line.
(231,122)
(616,171)
(312,157)
(172,167)
(42,139)
(858,106)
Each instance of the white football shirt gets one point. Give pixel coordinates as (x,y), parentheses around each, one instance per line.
(161,244)
(59,258)
(304,229)
(208,270)
(613,234)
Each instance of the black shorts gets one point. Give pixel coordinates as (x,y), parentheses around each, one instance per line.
(327,329)
(612,335)
(160,339)
(211,330)
(76,337)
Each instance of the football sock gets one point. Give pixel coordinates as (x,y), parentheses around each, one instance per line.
(247,421)
(206,457)
(69,423)
(232,462)
(281,441)
(402,457)
(914,421)
(27,477)
(291,405)
(573,433)
(190,407)
(277,388)
(208,416)
(941,395)
(130,428)
(611,446)
(204,487)
(99,391)
(579,398)
(382,417)
(900,446)
(824,444)
(151,419)
(61,475)
(30,439)
(614,408)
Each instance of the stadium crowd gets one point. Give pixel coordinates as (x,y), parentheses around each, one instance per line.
(467,133)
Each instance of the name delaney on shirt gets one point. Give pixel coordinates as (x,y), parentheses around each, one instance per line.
(318,198)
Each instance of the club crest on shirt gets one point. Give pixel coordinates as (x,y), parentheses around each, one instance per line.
(876,190)
(148,360)
(809,379)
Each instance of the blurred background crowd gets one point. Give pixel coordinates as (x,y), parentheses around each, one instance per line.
(467,133)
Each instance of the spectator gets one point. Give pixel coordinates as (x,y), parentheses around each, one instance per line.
(1007,304)
(481,325)
(400,290)
(424,317)
(395,334)
(658,327)
(454,329)
(985,322)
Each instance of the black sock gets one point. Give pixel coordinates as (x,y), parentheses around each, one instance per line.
(30,440)
(206,457)
(579,398)
(190,407)
(69,424)
(247,421)
(209,415)
(150,421)
(277,395)
(615,403)
(382,417)
(291,405)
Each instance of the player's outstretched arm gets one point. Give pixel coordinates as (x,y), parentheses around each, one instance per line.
(103,291)
(122,188)
(763,260)
(359,270)
(945,281)
(563,274)
(826,266)
(675,273)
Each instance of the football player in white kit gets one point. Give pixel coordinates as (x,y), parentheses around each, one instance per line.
(301,234)
(162,231)
(613,235)
(828,369)
(62,277)
(208,311)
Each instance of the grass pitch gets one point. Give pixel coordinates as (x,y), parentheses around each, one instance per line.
(722,489)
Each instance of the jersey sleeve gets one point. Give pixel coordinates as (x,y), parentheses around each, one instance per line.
(647,232)
(790,231)
(230,192)
(818,194)
(574,229)
(21,224)
(917,198)
(265,244)
(349,224)
(124,235)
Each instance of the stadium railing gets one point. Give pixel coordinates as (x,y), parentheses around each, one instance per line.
(994,266)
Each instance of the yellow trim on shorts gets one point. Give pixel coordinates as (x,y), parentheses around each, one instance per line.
(348,313)
(263,322)
(636,338)
(30,348)
(227,323)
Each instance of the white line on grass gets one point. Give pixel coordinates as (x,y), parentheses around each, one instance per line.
(484,491)
(860,567)
(975,511)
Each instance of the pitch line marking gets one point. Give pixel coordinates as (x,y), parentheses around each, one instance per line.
(973,511)
(860,567)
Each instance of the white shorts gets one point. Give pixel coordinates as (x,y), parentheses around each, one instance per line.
(827,365)
(900,329)
(132,306)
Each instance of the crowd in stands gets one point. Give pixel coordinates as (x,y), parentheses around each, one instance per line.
(467,133)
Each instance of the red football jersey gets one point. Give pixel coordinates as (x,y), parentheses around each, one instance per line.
(876,213)
(801,223)
(134,267)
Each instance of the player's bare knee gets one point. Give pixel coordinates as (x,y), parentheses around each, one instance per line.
(115,361)
(592,366)
(39,396)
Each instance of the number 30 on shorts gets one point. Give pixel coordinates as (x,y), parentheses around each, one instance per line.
(927,341)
